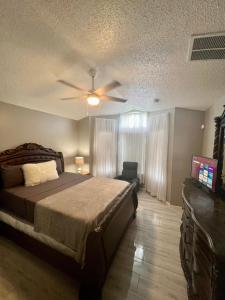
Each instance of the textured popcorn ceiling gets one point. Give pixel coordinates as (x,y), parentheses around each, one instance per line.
(142,44)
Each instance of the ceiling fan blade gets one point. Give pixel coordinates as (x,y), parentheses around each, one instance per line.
(103,90)
(69,98)
(110,98)
(71,85)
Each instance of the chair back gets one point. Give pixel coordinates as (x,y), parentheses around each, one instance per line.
(129,170)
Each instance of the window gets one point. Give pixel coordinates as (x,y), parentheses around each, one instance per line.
(132,140)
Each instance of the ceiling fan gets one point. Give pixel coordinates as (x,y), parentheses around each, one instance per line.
(94,96)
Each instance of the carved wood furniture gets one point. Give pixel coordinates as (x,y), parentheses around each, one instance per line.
(102,242)
(202,244)
(219,152)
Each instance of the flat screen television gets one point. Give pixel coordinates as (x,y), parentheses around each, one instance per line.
(204,170)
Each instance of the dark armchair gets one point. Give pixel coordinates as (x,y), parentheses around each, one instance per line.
(129,173)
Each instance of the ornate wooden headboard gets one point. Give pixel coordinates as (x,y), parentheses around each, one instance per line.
(30,153)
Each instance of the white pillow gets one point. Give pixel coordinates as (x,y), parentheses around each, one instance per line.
(39,173)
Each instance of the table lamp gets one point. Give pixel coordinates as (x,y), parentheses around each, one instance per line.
(79,161)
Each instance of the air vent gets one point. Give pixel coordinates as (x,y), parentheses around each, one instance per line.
(207,47)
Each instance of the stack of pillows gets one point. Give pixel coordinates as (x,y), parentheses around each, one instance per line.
(29,174)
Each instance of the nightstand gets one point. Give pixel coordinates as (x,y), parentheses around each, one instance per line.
(85,173)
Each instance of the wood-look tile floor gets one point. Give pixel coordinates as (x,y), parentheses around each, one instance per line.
(146,267)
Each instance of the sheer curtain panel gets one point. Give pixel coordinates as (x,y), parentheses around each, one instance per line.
(132,140)
(105,147)
(156,155)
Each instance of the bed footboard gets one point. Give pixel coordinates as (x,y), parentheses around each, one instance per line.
(103,242)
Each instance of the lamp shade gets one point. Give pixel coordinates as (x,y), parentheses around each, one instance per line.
(79,160)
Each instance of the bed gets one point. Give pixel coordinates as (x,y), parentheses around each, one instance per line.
(18,206)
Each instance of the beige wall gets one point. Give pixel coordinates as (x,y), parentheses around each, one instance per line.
(20,125)
(209,131)
(188,138)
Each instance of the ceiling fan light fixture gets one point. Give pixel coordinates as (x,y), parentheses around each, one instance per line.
(93,100)
(94,96)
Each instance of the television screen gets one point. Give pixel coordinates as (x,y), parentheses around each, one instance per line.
(204,170)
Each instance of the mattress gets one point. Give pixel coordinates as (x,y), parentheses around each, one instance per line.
(28,229)
(21,200)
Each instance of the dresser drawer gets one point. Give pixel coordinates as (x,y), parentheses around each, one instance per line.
(203,263)
(202,286)
(202,246)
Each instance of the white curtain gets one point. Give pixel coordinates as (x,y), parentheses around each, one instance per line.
(132,140)
(156,155)
(105,147)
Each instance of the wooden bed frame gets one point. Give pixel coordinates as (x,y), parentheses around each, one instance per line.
(102,242)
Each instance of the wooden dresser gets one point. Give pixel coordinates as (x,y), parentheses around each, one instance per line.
(202,244)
